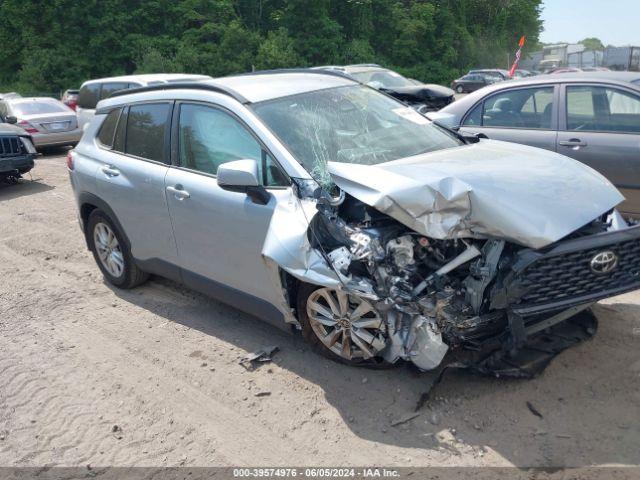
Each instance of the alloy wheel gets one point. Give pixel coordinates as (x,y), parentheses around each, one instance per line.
(108,249)
(346,324)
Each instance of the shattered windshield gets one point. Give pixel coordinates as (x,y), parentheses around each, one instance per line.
(353,124)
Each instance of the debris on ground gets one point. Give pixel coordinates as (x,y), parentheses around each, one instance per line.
(262,394)
(263,355)
(404,419)
(533,410)
(117,432)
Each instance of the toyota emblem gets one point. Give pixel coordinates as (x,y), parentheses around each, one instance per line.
(604,262)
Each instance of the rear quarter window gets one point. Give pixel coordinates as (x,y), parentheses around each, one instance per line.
(108,128)
(88,96)
(147,127)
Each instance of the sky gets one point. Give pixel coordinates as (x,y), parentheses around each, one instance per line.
(615,22)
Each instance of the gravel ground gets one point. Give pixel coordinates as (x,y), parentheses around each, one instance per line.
(150,377)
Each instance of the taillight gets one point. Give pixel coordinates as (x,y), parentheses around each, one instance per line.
(69,160)
(27,126)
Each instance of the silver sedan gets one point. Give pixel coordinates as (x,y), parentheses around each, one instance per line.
(48,121)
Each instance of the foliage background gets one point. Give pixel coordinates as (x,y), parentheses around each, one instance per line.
(52,45)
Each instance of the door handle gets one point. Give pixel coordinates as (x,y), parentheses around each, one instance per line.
(573,142)
(178,192)
(110,171)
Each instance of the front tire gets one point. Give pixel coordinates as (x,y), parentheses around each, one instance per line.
(111,253)
(460,89)
(342,327)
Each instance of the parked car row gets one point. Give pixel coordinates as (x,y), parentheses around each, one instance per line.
(48,131)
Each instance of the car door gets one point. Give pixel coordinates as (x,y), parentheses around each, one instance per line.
(479,81)
(472,83)
(219,233)
(526,115)
(600,126)
(130,179)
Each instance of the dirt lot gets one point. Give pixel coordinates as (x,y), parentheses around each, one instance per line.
(89,374)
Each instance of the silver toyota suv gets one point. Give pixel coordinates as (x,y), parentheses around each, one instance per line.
(313,201)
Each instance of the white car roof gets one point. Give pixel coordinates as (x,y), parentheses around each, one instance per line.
(259,87)
(144,79)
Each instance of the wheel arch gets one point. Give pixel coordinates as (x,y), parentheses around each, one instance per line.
(88,203)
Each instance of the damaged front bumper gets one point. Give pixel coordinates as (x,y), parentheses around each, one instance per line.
(542,288)
(571,273)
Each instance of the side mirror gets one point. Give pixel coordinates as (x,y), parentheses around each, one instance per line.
(473,137)
(242,176)
(11,119)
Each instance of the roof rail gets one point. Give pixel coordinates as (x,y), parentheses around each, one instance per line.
(319,71)
(195,85)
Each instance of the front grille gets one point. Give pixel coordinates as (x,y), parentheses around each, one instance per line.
(561,278)
(10,146)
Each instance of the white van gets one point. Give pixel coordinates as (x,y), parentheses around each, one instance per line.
(92,91)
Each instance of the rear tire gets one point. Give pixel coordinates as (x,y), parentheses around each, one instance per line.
(111,253)
(460,89)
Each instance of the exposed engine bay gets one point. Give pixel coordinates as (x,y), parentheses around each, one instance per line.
(424,286)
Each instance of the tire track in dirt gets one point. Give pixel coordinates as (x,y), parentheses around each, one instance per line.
(227,424)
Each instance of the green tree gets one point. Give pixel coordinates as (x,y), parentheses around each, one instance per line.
(50,46)
(592,43)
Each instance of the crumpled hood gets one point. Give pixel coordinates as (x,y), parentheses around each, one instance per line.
(420,92)
(522,194)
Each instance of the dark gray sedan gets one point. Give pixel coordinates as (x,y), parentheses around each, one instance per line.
(593,117)
(472,82)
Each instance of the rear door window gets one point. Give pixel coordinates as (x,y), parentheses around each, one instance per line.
(108,128)
(602,109)
(147,129)
(89,94)
(109,88)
